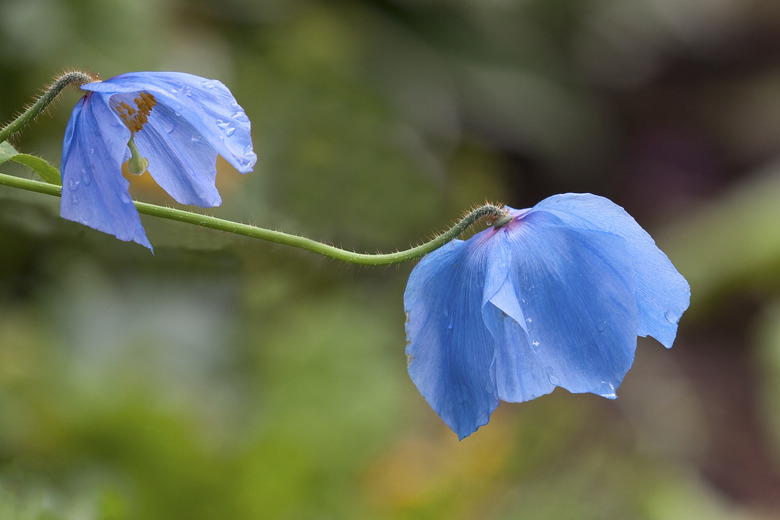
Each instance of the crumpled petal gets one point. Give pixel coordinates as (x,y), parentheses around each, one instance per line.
(94,146)
(206,104)
(576,290)
(555,297)
(180,161)
(662,294)
(451,350)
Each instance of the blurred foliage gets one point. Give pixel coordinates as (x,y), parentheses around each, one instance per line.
(222,378)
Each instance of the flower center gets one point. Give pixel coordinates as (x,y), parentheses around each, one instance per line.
(136,118)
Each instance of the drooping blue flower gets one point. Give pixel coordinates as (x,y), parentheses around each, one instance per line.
(555,297)
(171,123)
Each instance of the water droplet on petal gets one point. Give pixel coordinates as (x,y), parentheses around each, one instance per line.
(226,127)
(529,320)
(196,138)
(167,125)
(671,317)
(600,326)
(240,116)
(75,200)
(73,183)
(125,198)
(552,377)
(609,393)
(208,84)
(86,178)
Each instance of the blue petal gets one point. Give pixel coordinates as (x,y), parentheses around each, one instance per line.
(662,294)
(519,374)
(183,164)
(207,105)
(94,192)
(576,292)
(450,349)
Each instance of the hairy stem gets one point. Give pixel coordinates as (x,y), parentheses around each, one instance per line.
(45,100)
(497,215)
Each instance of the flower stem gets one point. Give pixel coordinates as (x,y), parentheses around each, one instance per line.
(496,214)
(40,105)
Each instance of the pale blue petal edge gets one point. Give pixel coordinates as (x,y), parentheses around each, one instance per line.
(206,104)
(185,166)
(450,350)
(662,293)
(576,292)
(94,192)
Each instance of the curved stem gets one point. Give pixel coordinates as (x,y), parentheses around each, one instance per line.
(497,215)
(39,106)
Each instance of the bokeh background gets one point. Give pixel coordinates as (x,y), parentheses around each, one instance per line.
(226,378)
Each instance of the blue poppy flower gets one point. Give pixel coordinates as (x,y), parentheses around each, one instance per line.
(555,297)
(171,123)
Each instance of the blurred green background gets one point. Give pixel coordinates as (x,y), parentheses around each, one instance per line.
(225,378)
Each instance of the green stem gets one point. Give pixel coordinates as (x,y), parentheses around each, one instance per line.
(497,215)
(39,106)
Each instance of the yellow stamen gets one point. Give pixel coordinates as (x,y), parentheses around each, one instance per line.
(136,119)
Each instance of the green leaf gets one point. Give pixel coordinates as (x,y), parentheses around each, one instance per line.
(46,171)
(7,152)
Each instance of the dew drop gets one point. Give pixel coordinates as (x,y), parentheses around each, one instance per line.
(240,116)
(125,198)
(208,84)
(86,178)
(248,158)
(529,320)
(552,377)
(609,393)
(196,139)
(75,200)
(671,317)
(600,326)
(73,184)
(226,127)
(167,125)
